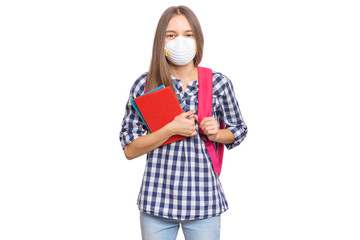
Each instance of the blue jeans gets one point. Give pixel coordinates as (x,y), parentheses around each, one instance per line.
(158,228)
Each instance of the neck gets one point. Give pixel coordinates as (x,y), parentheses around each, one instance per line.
(184,72)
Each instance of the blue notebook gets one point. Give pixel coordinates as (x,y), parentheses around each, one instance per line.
(137,109)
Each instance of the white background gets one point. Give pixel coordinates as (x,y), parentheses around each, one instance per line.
(66,68)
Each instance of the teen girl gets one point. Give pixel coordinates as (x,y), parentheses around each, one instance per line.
(179,186)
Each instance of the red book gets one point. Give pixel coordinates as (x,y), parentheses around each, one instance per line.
(158,109)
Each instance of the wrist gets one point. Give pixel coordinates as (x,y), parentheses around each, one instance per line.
(169,130)
(216,138)
(224,136)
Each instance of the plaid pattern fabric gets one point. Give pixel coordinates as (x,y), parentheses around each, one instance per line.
(179,182)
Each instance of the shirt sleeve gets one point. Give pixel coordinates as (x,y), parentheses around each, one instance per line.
(132,126)
(230,113)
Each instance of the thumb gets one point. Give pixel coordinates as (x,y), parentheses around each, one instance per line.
(196,117)
(189,113)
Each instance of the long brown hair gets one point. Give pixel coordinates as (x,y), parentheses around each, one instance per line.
(159,72)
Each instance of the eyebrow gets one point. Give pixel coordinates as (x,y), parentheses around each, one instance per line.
(175,31)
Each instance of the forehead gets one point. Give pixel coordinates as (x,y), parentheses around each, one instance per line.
(178,23)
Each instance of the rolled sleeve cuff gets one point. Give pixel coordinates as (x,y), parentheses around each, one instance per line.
(126,139)
(239,135)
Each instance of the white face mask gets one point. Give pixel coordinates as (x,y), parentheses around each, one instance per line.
(181,50)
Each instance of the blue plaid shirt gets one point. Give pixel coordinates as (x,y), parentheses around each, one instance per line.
(179,182)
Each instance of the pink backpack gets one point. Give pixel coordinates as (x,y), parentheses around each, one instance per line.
(205,100)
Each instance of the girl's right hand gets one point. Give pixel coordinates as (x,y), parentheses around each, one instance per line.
(183,124)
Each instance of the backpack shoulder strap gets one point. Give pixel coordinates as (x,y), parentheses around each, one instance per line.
(205,92)
(205,100)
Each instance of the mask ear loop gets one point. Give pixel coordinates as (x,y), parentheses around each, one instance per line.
(167,53)
(194,60)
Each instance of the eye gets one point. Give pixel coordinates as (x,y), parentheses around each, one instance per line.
(170,36)
(189,35)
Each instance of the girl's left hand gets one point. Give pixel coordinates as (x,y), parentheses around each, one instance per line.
(209,126)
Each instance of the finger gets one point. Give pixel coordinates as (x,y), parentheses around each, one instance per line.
(196,118)
(211,127)
(189,113)
(210,130)
(208,119)
(208,123)
(193,133)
